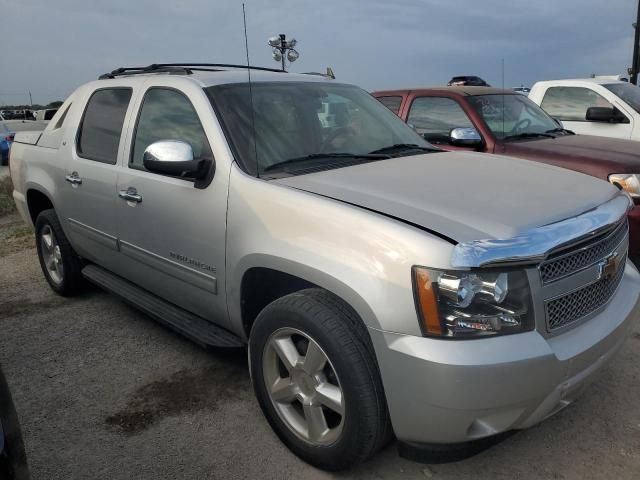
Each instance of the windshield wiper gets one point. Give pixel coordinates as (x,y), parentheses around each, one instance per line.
(529,135)
(313,156)
(404,146)
(561,130)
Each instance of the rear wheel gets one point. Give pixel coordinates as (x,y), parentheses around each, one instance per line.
(59,262)
(316,379)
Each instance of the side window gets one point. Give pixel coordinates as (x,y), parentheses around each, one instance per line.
(434,117)
(167,115)
(101,126)
(392,103)
(571,103)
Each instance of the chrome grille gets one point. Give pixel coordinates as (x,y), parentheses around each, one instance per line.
(569,308)
(586,255)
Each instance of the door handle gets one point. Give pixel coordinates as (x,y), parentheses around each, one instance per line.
(130,195)
(74,179)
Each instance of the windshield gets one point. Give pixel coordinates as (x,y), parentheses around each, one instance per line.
(296,120)
(512,114)
(628,92)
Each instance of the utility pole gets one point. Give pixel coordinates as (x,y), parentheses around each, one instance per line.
(636,60)
(30,99)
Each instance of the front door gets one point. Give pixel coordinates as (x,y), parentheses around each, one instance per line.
(171,234)
(570,105)
(88,196)
(435,117)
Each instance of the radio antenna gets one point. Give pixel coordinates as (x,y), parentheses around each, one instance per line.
(253,117)
(503,99)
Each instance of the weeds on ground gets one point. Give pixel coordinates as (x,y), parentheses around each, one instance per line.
(7,205)
(15,235)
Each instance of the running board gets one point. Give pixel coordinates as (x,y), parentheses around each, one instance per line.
(186,323)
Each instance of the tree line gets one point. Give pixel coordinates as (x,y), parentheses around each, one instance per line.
(55,104)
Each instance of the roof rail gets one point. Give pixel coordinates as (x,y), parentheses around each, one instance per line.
(179,68)
(328,74)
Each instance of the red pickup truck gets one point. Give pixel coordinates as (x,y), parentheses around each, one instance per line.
(505,122)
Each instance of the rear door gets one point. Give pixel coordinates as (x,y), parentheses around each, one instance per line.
(172,240)
(87,200)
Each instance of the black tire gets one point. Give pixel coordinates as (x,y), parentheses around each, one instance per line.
(340,333)
(72,282)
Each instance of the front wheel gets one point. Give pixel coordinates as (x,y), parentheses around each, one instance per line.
(316,379)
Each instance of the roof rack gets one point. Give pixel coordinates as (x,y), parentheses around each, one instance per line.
(329,74)
(180,69)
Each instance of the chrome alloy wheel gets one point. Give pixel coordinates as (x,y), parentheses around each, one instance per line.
(51,255)
(303,386)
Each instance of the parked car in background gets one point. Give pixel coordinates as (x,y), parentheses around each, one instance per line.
(383,286)
(13,460)
(6,139)
(470,80)
(592,106)
(521,89)
(507,123)
(45,115)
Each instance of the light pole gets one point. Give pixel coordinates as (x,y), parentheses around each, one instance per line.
(283,48)
(635,66)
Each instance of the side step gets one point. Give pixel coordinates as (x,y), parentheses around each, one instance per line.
(186,323)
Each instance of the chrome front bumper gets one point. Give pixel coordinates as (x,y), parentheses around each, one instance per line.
(452,391)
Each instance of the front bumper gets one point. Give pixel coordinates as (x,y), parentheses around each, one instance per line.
(453,391)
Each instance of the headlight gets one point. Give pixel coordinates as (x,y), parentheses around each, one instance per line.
(471,304)
(629,182)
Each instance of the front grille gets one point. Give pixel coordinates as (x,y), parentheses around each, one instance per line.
(565,310)
(585,255)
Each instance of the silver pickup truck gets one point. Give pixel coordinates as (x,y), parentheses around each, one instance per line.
(383,286)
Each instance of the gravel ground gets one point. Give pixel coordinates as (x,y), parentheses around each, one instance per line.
(104,392)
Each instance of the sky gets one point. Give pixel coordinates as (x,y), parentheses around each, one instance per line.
(51,47)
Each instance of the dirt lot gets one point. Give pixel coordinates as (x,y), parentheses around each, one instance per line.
(104,392)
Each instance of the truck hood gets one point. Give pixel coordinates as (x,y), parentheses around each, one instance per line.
(461,195)
(598,156)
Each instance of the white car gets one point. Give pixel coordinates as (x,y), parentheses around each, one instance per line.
(592,106)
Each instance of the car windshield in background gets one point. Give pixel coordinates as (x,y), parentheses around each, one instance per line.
(513,116)
(628,92)
(301,125)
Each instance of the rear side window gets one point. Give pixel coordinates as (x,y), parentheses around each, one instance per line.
(571,103)
(434,117)
(101,127)
(392,103)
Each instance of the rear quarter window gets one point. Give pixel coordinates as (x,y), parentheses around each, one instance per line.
(392,103)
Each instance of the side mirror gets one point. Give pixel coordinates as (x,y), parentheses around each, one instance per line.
(605,114)
(465,137)
(175,158)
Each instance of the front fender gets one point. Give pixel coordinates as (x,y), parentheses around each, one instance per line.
(361,256)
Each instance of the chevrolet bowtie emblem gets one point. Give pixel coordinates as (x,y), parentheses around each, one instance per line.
(608,266)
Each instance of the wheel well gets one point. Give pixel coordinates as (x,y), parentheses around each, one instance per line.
(261,286)
(37,202)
